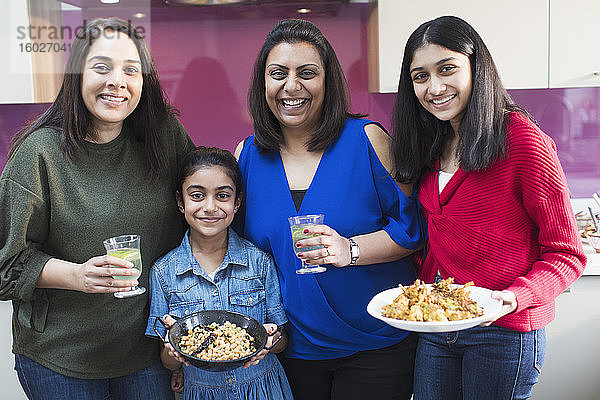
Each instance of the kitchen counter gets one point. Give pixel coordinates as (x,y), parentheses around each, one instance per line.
(593,261)
(570,369)
(572,352)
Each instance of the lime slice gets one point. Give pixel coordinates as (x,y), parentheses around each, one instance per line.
(297,234)
(126,254)
(133,256)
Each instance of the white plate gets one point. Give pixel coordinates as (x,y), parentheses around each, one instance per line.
(482,296)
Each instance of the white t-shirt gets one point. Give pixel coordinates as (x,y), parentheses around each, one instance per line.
(443,179)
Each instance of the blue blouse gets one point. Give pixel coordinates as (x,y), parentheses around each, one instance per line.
(245,282)
(327,311)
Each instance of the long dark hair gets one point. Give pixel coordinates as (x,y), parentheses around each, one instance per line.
(419,137)
(69,115)
(336,104)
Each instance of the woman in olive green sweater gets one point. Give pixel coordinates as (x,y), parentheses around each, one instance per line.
(101,162)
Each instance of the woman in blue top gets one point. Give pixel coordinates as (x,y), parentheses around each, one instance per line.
(310,155)
(215,269)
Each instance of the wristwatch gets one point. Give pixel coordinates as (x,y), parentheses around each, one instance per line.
(354,251)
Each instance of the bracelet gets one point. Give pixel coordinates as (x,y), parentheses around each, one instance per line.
(354,251)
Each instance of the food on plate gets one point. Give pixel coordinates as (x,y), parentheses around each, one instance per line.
(587,231)
(585,225)
(218,342)
(442,303)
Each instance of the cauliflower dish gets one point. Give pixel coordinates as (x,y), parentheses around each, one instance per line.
(436,302)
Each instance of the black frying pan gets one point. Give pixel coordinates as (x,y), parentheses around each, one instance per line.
(203,318)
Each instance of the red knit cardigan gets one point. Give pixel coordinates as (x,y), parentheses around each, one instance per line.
(510,226)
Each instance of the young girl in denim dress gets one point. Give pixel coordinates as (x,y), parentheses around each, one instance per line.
(214,268)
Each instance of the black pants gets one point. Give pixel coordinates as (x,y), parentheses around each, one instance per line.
(380,374)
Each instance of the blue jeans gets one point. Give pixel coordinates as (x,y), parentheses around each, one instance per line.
(478,363)
(41,383)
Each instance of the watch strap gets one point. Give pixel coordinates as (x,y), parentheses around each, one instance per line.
(354,251)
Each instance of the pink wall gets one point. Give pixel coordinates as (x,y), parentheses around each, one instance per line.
(205,57)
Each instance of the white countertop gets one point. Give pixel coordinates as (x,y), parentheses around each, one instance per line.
(593,260)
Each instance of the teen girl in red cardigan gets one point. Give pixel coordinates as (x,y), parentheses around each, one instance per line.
(497,206)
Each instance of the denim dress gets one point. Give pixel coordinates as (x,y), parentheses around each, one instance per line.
(246,282)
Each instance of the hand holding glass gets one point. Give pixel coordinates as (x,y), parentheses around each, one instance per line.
(126,247)
(297,226)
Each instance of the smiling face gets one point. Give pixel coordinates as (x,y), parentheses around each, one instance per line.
(295,85)
(208,202)
(112,81)
(442,82)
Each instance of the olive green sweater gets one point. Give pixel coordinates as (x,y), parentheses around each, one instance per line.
(50,208)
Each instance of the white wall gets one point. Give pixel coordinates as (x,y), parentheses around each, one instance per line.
(15,68)
(11,389)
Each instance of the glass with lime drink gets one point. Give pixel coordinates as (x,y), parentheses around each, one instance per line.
(297,225)
(126,247)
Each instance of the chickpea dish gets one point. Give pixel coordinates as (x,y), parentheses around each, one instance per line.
(218,342)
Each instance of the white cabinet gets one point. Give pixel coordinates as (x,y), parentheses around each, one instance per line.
(15,70)
(572,352)
(574,49)
(515,32)
(31,71)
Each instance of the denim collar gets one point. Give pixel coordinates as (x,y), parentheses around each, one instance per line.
(236,254)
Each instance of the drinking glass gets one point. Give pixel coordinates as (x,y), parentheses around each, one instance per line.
(297,225)
(126,247)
